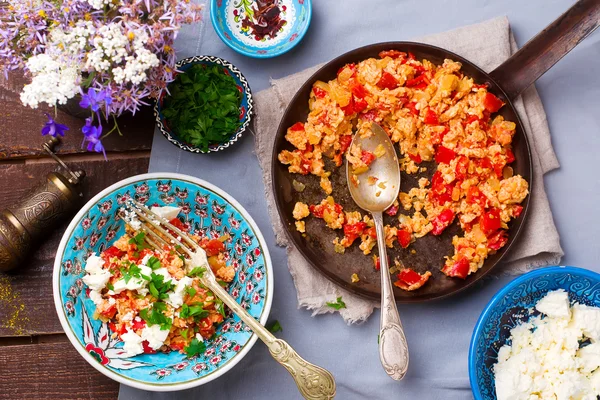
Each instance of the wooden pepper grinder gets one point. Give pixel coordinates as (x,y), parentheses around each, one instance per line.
(40,210)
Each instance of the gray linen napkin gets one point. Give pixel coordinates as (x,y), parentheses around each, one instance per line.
(538,243)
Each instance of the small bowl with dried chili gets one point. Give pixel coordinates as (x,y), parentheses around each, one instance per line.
(261,28)
(207,107)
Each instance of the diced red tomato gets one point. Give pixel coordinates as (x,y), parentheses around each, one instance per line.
(367,157)
(360,105)
(416,158)
(391,211)
(109,312)
(462,168)
(358,90)
(442,221)
(471,119)
(316,210)
(345,141)
(113,327)
(112,251)
(319,93)
(214,247)
(404,238)
(147,348)
(298,126)
(431,118)
(517,210)
(372,232)
(412,106)
(411,280)
(139,324)
(440,138)
(387,81)
(497,240)
(490,221)
(369,115)
(444,155)
(177,223)
(349,109)
(411,56)
(492,103)
(352,231)
(460,269)
(510,157)
(392,54)
(420,82)
(440,191)
(474,196)
(351,66)
(498,168)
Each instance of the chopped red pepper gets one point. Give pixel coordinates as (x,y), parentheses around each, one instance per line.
(214,247)
(431,118)
(349,109)
(358,90)
(490,221)
(510,157)
(351,66)
(367,157)
(147,348)
(411,56)
(387,81)
(352,231)
(360,105)
(369,115)
(392,54)
(412,106)
(372,232)
(404,238)
(477,86)
(474,196)
(139,324)
(109,312)
(471,119)
(112,251)
(319,93)
(345,141)
(462,168)
(376,263)
(492,103)
(517,210)
(416,158)
(392,210)
(177,224)
(460,269)
(420,82)
(298,126)
(316,210)
(440,191)
(411,280)
(442,221)
(305,165)
(444,155)
(497,240)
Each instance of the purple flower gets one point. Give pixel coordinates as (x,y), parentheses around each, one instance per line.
(94,98)
(53,128)
(92,135)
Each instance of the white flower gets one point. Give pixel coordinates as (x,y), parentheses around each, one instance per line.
(99,4)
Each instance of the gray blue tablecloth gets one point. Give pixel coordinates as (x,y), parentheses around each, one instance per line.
(438,333)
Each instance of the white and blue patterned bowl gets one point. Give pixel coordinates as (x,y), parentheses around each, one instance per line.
(246,105)
(207,211)
(510,306)
(227,16)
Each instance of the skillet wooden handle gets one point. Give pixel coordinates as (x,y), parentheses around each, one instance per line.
(543,51)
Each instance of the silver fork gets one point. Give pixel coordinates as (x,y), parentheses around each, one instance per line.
(314,382)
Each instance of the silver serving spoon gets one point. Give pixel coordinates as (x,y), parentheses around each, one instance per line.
(375,198)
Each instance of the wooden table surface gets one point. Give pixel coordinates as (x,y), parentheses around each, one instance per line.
(37,361)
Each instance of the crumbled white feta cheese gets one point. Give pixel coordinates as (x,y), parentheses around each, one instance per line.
(132,284)
(588,320)
(155,336)
(94,264)
(128,317)
(198,260)
(96,297)
(132,343)
(167,276)
(555,304)
(97,281)
(175,298)
(166,212)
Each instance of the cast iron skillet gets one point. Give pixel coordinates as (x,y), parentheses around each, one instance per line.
(506,82)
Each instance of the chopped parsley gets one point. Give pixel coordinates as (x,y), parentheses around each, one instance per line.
(182,258)
(219,306)
(191,291)
(195,310)
(275,327)
(155,316)
(139,241)
(184,333)
(154,263)
(338,304)
(195,348)
(204,106)
(158,287)
(110,286)
(132,271)
(198,271)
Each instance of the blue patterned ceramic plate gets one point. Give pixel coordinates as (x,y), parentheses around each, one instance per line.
(245,107)
(227,18)
(206,211)
(510,306)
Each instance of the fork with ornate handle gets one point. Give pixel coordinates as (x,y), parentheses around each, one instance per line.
(314,382)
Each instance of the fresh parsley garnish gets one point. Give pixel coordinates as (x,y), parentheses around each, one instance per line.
(275,327)
(139,241)
(338,304)
(195,348)
(184,333)
(110,286)
(204,106)
(132,271)
(155,316)
(219,306)
(158,287)
(191,291)
(182,258)
(154,263)
(198,271)
(195,310)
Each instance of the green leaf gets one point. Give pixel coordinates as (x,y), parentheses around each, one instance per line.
(191,291)
(139,241)
(338,304)
(219,306)
(275,327)
(198,271)
(184,333)
(110,286)
(195,348)
(154,263)
(156,316)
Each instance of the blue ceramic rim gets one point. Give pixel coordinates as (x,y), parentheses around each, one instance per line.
(237,134)
(499,296)
(213,20)
(132,382)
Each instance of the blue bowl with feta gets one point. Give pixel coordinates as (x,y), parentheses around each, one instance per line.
(203,210)
(539,338)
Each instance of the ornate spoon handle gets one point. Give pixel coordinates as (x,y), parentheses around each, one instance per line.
(393,349)
(314,382)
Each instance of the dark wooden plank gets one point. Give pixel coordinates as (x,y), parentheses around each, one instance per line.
(21,125)
(26,304)
(51,371)
(543,51)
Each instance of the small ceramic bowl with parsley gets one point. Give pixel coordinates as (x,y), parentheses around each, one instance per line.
(207,107)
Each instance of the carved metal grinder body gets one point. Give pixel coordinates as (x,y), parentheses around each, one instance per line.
(43,207)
